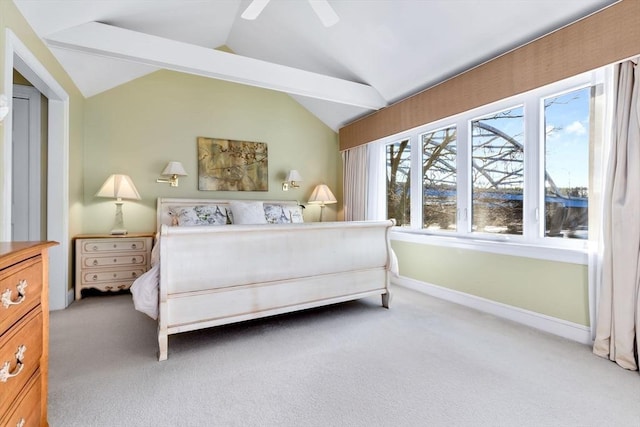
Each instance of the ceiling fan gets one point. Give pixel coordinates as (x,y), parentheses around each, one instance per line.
(322,8)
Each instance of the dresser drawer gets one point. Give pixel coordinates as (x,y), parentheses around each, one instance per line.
(20,288)
(23,342)
(113,245)
(119,275)
(26,409)
(112,261)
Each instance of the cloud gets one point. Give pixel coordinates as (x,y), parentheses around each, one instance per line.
(576,128)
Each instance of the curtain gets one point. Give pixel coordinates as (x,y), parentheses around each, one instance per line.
(355,183)
(618,317)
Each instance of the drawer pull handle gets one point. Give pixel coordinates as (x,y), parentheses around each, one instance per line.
(95,262)
(4,372)
(115,245)
(133,260)
(95,248)
(95,277)
(134,246)
(122,287)
(134,274)
(115,260)
(21,423)
(22,294)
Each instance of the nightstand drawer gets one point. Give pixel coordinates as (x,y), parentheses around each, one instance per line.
(114,260)
(22,349)
(111,275)
(114,245)
(20,288)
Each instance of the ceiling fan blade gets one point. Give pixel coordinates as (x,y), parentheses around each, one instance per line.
(254,9)
(325,12)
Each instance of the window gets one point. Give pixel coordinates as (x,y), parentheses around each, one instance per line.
(566,161)
(439,186)
(398,192)
(497,171)
(516,170)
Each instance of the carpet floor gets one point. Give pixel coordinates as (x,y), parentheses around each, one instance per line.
(424,362)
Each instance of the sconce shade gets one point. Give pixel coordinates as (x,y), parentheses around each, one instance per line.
(174,168)
(293,176)
(322,195)
(119,187)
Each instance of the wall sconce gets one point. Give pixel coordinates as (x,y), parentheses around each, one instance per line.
(4,107)
(119,187)
(292,180)
(323,196)
(173,170)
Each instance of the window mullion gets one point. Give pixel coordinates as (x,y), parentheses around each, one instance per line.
(416,182)
(463,165)
(533,208)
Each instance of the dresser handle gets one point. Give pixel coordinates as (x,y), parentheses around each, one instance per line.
(95,262)
(22,294)
(4,372)
(134,274)
(134,246)
(21,423)
(95,277)
(95,248)
(133,260)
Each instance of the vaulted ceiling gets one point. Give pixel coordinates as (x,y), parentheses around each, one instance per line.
(379,51)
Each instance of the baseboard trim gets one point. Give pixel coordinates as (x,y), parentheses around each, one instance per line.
(553,325)
(70,297)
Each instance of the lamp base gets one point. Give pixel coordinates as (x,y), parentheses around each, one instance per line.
(118,232)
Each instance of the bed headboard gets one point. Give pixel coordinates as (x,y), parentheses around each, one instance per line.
(165,204)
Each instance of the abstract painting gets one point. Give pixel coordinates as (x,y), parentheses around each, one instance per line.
(228,165)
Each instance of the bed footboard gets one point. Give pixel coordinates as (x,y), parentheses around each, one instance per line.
(216,275)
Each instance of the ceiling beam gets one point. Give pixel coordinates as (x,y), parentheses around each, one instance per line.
(106,40)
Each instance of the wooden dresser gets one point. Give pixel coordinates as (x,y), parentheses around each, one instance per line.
(24,333)
(111,263)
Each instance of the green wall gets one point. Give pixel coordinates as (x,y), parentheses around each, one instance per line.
(552,288)
(136,128)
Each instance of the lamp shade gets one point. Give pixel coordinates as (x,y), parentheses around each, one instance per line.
(119,187)
(174,168)
(322,195)
(294,176)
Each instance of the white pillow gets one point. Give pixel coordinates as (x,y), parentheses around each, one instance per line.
(247,212)
(295,214)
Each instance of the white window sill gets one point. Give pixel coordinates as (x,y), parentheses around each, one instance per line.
(519,249)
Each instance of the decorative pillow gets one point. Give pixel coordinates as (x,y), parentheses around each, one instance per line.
(277,214)
(248,212)
(295,213)
(198,215)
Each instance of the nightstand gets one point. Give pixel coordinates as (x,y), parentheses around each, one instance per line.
(111,263)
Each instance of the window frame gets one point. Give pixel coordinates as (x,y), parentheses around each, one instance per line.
(532,243)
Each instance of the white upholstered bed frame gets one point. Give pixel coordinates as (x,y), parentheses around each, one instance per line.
(215,275)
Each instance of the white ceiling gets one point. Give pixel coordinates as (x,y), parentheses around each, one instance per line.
(378,53)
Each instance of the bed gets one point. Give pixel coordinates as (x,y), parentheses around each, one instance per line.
(214,265)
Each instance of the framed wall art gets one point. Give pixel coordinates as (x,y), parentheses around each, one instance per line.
(228,165)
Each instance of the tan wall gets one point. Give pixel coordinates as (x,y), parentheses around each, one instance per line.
(10,18)
(603,38)
(551,288)
(138,127)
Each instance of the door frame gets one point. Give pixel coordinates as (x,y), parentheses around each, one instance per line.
(18,56)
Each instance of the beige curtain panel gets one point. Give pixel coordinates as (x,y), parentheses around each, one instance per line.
(618,315)
(355,183)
